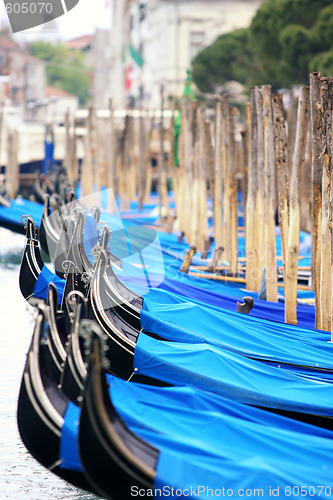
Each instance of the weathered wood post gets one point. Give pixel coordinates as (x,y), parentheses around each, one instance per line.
(181,175)
(269,165)
(147,158)
(232,174)
(112,167)
(245,168)
(326,228)
(12,167)
(218,222)
(281,158)
(187,119)
(127,193)
(251,202)
(194,222)
(317,146)
(74,158)
(87,175)
(67,159)
(172,161)
(260,236)
(291,275)
(203,161)
(226,178)
(210,160)
(141,147)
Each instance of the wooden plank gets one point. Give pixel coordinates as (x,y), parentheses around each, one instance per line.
(233,279)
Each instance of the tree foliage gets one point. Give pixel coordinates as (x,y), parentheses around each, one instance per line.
(229,58)
(285,41)
(66,68)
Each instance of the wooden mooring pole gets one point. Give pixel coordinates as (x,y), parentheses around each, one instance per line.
(291,275)
(317,172)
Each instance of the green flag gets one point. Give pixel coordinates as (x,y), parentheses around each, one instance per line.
(136,56)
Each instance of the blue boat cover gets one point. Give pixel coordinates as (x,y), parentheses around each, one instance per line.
(69,452)
(42,284)
(231,375)
(48,162)
(245,335)
(207,441)
(19,207)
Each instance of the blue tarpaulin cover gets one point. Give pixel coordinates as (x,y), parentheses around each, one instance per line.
(69,452)
(231,375)
(246,335)
(207,440)
(42,284)
(19,207)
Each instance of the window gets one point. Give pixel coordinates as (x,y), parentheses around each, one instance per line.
(196,42)
(142,11)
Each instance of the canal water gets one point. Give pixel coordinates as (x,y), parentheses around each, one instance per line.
(21,477)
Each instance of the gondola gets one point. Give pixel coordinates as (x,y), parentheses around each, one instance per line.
(74,370)
(57,334)
(42,410)
(47,234)
(34,275)
(63,248)
(110,464)
(39,190)
(145,440)
(32,263)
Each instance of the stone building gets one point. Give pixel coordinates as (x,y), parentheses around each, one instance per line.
(154,41)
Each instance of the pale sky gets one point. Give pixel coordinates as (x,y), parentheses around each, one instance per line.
(82,19)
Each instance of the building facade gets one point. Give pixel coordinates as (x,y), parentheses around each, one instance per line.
(161,38)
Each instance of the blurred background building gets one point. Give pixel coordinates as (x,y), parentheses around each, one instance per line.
(153,42)
(150,43)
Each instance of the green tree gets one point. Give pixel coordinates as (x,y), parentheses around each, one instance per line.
(228,58)
(285,41)
(66,69)
(281,38)
(322,30)
(296,49)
